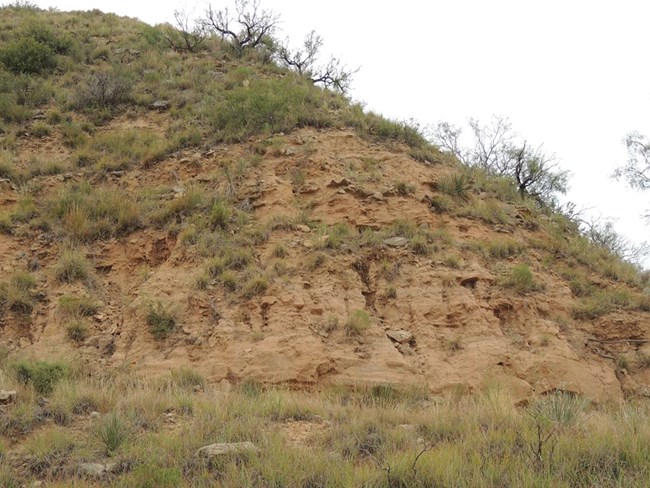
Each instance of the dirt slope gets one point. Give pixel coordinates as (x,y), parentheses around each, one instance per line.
(441,318)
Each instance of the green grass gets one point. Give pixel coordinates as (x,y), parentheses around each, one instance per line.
(603,301)
(455,185)
(16,293)
(357,323)
(85,214)
(161,320)
(72,266)
(269,106)
(381,435)
(77,307)
(112,431)
(521,279)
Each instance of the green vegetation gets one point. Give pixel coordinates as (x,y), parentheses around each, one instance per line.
(42,375)
(72,266)
(162,322)
(382,435)
(84,214)
(16,293)
(521,279)
(357,323)
(176,138)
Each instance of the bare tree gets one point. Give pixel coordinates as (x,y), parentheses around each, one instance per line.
(301,60)
(446,136)
(497,149)
(535,172)
(331,75)
(186,35)
(247,27)
(602,234)
(636,172)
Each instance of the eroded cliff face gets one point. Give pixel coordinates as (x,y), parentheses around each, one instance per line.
(439,316)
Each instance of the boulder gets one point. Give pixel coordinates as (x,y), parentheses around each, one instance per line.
(400,335)
(396,241)
(224,448)
(7,397)
(96,470)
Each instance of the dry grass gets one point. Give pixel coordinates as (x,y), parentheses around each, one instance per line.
(380,436)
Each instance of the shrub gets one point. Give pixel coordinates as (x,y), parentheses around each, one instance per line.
(455,185)
(7,165)
(403,188)
(25,211)
(27,55)
(255,286)
(72,266)
(161,320)
(187,378)
(112,431)
(16,293)
(73,135)
(40,130)
(373,125)
(279,251)
(601,302)
(268,106)
(220,215)
(124,148)
(357,323)
(42,375)
(6,226)
(315,261)
(559,407)
(391,292)
(229,281)
(521,279)
(105,90)
(440,203)
(504,248)
(77,331)
(86,214)
(489,211)
(77,307)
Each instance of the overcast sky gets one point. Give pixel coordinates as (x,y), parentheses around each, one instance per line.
(572,75)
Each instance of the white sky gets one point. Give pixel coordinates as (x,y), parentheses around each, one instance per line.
(572,75)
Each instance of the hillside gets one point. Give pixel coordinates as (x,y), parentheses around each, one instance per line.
(164,210)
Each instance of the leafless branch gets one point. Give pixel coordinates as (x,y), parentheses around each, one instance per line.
(246,28)
(186,35)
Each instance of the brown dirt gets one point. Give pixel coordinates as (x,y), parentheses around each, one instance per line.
(467,331)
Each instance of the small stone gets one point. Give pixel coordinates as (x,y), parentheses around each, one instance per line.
(338,182)
(396,241)
(24,342)
(268,300)
(160,104)
(97,470)
(303,228)
(405,350)
(401,336)
(7,397)
(215,450)
(94,415)
(469,282)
